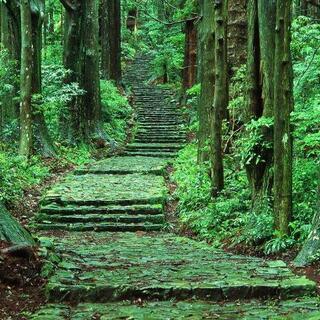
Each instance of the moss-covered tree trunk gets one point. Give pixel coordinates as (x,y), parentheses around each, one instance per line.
(11,231)
(114,37)
(260,94)
(41,130)
(283,106)
(5,37)
(207,44)
(237,33)
(104,39)
(26,136)
(81,56)
(220,100)
(69,122)
(90,104)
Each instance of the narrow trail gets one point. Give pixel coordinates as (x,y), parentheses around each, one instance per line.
(132,269)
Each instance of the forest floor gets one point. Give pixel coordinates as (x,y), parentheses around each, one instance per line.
(111,251)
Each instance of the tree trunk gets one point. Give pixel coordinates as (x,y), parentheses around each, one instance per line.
(5,35)
(26,141)
(207,44)
(283,106)
(220,100)
(237,33)
(104,39)
(41,130)
(81,56)
(114,30)
(260,96)
(11,231)
(90,80)
(69,123)
(190,55)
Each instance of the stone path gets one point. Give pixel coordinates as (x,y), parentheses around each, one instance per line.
(131,268)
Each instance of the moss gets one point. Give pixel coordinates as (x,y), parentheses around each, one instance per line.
(306,308)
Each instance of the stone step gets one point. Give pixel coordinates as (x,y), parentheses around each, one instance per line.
(304,308)
(138,209)
(124,165)
(106,189)
(94,218)
(155,146)
(101,227)
(158,154)
(106,267)
(160,140)
(159,135)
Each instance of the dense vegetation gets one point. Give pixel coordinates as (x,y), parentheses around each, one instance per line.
(249,172)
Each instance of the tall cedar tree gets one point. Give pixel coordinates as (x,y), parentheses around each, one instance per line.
(81,56)
(110,39)
(283,106)
(220,100)
(260,94)
(26,136)
(207,76)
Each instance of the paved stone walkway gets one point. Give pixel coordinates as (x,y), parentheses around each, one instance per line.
(115,261)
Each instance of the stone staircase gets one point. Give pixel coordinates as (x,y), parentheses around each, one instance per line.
(160,130)
(150,274)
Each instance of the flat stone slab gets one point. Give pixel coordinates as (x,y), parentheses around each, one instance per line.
(125,165)
(99,190)
(305,308)
(119,266)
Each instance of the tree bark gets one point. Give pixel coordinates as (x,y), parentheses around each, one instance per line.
(11,231)
(260,92)
(207,44)
(220,100)
(114,19)
(104,39)
(237,33)
(190,55)
(41,130)
(81,56)
(26,141)
(283,106)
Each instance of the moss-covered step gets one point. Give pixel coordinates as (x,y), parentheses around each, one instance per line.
(138,209)
(158,154)
(102,190)
(125,165)
(102,267)
(160,140)
(302,309)
(155,146)
(101,226)
(100,218)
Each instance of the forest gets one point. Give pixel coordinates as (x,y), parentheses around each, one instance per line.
(159,159)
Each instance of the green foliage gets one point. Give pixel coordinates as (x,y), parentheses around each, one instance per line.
(17,174)
(116,111)
(211,220)
(56,95)
(254,139)
(8,74)
(237,93)
(306,55)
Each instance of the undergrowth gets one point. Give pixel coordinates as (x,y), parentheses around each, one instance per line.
(230,217)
